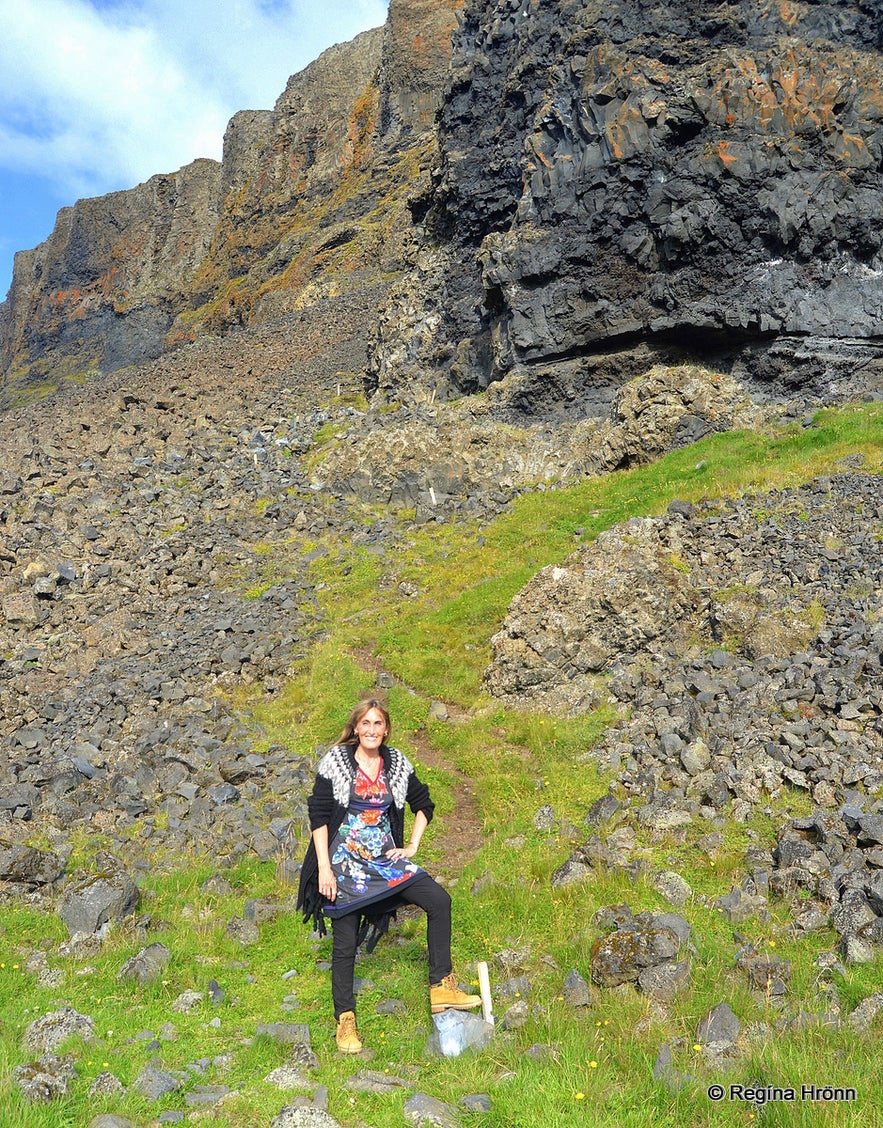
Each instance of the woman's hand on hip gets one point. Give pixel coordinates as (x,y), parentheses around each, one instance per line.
(327,883)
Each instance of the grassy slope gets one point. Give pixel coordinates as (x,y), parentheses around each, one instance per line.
(437,643)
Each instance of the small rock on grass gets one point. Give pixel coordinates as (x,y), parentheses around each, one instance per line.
(866,1012)
(303,1117)
(46,1079)
(719,1025)
(110,1120)
(576,990)
(672,888)
(423,1110)
(45,1034)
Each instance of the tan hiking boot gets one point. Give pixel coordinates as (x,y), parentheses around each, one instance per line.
(448,996)
(347,1039)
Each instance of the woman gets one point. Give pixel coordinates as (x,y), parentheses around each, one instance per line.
(358,871)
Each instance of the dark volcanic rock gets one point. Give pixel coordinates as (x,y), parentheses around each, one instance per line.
(719,1025)
(47,1079)
(652,176)
(623,956)
(564,193)
(25,865)
(90,902)
(147,965)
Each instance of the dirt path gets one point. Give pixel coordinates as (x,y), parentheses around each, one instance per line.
(457,835)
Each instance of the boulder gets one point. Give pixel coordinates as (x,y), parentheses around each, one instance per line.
(664,981)
(720,1025)
(50,1031)
(93,901)
(22,609)
(575,990)
(146,966)
(27,865)
(423,1111)
(623,955)
(672,888)
(154,1083)
(45,1080)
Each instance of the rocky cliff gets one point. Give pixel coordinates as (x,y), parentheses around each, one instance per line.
(307,205)
(680,178)
(97,294)
(555,194)
(570,219)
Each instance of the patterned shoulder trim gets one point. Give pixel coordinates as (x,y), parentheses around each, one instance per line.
(335,766)
(400,770)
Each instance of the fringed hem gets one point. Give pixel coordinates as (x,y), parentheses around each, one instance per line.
(373,926)
(313,910)
(373,929)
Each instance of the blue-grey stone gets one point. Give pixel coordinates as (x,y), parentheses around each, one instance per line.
(456,1031)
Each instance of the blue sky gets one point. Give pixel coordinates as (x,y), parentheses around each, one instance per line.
(99,95)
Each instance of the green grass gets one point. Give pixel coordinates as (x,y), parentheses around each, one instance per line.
(437,644)
(467,576)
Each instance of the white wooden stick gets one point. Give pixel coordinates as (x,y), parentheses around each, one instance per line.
(484,985)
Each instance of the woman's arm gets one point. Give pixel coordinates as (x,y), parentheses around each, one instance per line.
(418,798)
(421,822)
(327,881)
(320,804)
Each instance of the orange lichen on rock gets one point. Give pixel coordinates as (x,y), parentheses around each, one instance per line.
(789,13)
(362,124)
(724,152)
(796,94)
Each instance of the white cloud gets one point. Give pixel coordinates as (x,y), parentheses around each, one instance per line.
(101,95)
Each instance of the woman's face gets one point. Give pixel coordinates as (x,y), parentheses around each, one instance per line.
(371,730)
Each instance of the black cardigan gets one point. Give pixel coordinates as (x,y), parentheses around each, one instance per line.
(327,806)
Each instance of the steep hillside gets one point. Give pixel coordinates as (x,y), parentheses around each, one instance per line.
(188,603)
(627,613)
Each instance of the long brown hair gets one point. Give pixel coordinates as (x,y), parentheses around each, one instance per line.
(348,736)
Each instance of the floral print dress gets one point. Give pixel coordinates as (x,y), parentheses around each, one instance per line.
(358,850)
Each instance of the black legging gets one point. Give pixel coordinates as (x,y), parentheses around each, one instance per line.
(424,892)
